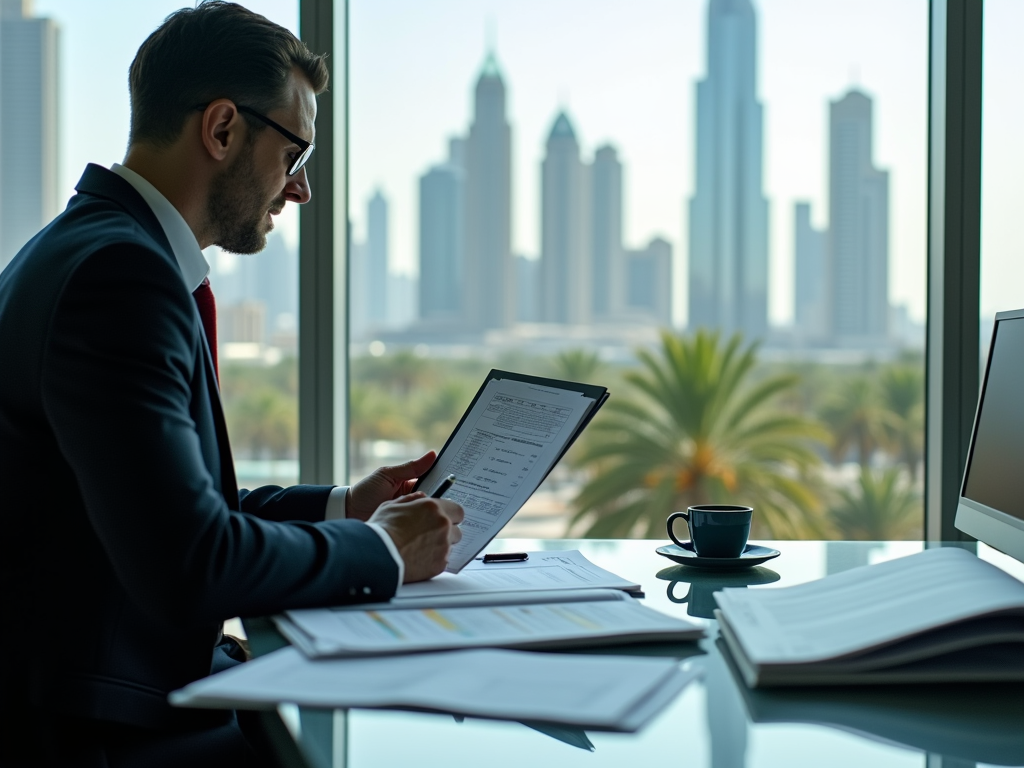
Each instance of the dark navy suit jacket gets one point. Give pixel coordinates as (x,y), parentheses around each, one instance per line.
(124,543)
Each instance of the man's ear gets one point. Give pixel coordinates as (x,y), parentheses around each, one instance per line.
(221,128)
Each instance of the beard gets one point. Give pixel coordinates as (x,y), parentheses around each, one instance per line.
(237,208)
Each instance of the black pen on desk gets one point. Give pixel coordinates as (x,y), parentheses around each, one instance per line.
(442,489)
(506,557)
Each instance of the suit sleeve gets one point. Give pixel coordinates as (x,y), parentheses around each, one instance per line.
(117,390)
(297,502)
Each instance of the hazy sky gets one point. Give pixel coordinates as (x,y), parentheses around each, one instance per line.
(625,73)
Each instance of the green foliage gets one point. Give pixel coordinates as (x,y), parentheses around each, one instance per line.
(882,506)
(262,409)
(697,419)
(902,396)
(695,428)
(857,418)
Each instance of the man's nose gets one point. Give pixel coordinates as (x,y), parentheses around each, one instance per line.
(297,188)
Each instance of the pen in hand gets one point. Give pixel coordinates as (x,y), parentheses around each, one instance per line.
(442,489)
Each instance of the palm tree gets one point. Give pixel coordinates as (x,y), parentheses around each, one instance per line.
(696,429)
(856,419)
(576,365)
(881,507)
(902,393)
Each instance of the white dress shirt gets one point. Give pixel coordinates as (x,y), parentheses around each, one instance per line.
(194,269)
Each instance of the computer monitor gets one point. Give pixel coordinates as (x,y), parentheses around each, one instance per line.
(991,504)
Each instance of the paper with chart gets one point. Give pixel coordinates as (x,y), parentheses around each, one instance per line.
(504,448)
(606,617)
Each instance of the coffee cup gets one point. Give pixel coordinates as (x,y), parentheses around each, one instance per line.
(716,530)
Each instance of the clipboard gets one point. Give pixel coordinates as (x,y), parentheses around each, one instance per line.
(597,394)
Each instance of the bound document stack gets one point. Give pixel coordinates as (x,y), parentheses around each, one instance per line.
(941,615)
(555,599)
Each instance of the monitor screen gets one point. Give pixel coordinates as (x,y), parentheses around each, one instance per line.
(995,468)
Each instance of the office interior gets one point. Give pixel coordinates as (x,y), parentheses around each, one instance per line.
(319,334)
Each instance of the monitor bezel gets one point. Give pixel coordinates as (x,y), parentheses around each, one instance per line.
(985,523)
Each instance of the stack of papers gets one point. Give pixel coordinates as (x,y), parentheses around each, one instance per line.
(596,692)
(941,615)
(385,655)
(551,600)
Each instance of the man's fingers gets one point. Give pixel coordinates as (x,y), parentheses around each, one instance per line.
(454,535)
(411,496)
(453,511)
(411,469)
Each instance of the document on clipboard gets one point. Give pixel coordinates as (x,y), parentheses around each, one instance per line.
(511,436)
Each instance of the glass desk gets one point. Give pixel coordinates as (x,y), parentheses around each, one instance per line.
(715,722)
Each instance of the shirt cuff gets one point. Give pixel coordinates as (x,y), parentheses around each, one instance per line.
(394,552)
(336,510)
(336,506)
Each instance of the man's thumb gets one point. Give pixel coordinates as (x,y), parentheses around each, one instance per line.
(411,469)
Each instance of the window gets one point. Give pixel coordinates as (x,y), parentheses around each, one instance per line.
(550,197)
(63,104)
(1002,240)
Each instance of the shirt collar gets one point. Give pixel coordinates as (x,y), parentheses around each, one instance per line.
(193,265)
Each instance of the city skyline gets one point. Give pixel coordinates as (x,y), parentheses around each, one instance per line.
(626,82)
(585,275)
(635,92)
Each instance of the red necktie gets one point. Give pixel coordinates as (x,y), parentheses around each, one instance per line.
(208,314)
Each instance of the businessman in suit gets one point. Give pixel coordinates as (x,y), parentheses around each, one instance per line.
(126,542)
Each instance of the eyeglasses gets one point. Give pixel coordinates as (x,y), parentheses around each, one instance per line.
(305,148)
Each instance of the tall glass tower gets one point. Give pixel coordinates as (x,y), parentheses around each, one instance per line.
(489,299)
(858,227)
(728,212)
(565,262)
(608,272)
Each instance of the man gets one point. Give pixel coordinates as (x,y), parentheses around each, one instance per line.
(125,542)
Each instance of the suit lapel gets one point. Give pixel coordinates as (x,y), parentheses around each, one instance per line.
(104,183)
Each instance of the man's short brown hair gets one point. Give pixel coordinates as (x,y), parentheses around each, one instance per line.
(217,50)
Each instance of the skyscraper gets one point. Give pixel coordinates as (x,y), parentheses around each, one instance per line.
(858,226)
(29,122)
(527,289)
(359,281)
(606,233)
(441,240)
(810,287)
(489,273)
(649,283)
(377,259)
(566,294)
(728,285)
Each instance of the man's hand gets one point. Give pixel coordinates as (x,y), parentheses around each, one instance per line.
(385,484)
(424,531)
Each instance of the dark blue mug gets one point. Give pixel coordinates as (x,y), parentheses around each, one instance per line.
(716,530)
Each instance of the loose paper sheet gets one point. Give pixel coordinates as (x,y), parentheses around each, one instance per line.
(586,691)
(512,436)
(554,569)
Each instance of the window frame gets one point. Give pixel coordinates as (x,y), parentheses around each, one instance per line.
(953,260)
